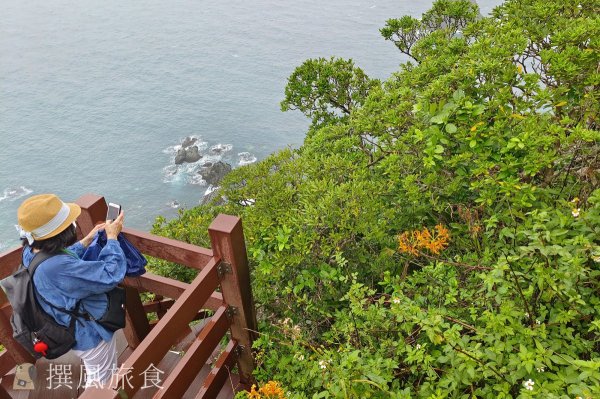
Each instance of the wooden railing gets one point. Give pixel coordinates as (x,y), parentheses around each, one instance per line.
(222,288)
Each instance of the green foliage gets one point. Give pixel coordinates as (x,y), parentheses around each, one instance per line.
(326,90)
(493,132)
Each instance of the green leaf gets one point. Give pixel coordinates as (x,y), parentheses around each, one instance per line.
(451,128)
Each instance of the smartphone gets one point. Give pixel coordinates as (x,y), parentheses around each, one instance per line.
(113,211)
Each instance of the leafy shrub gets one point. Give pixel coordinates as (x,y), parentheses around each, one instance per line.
(490,131)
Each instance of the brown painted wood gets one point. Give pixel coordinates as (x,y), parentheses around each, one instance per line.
(97,393)
(227,241)
(9,262)
(195,357)
(167,287)
(168,249)
(7,363)
(159,340)
(4,394)
(6,390)
(160,307)
(163,306)
(93,211)
(136,327)
(219,374)
(149,282)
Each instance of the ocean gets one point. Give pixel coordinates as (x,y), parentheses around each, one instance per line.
(97,96)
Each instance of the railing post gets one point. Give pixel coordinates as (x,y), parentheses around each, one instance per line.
(227,242)
(93,211)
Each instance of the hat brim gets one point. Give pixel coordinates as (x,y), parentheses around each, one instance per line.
(74,212)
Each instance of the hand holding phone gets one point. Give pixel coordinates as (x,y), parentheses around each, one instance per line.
(113,211)
(114,227)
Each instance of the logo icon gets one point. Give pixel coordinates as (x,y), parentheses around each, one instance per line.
(24,377)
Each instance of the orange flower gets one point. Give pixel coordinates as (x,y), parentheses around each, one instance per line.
(271,390)
(432,240)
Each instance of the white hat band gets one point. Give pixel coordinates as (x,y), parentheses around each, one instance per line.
(53,223)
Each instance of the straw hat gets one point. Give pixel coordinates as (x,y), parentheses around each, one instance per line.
(44,216)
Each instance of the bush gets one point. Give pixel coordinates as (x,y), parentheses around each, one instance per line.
(490,133)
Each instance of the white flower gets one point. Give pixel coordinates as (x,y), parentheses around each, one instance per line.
(540,369)
(418,346)
(529,384)
(323,364)
(538,322)
(596,258)
(527,315)
(396,300)
(299,356)
(575,212)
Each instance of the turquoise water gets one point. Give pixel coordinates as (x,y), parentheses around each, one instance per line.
(96,95)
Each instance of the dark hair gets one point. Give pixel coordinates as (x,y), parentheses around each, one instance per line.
(55,244)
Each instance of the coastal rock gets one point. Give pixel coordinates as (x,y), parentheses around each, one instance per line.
(213,197)
(213,173)
(188,141)
(189,154)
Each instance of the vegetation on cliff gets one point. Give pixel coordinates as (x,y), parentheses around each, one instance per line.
(438,234)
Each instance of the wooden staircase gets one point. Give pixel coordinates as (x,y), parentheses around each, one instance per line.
(200,344)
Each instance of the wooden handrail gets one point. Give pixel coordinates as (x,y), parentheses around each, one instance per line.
(195,357)
(158,342)
(168,249)
(218,375)
(225,266)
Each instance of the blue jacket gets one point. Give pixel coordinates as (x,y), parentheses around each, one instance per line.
(64,279)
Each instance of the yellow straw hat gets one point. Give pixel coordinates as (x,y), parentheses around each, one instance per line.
(44,216)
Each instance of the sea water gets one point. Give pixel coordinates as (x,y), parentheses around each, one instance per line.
(97,96)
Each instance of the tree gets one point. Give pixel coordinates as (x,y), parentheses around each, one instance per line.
(446,18)
(326,90)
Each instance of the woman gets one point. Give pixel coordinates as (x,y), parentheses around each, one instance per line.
(48,225)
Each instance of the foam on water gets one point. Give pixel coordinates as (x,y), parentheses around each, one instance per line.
(246,158)
(220,148)
(187,173)
(211,189)
(12,193)
(174,204)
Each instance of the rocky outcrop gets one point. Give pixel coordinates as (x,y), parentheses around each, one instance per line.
(188,152)
(214,197)
(213,173)
(188,141)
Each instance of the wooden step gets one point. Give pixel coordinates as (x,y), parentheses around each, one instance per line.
(71,387)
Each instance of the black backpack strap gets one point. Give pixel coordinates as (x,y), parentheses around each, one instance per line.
(38,258)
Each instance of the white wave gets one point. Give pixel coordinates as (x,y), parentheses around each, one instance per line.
(12,193)
(196,179)
(211,189)
(218,149)
(173,204)
(172,149)
(171,173)
(246,158)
